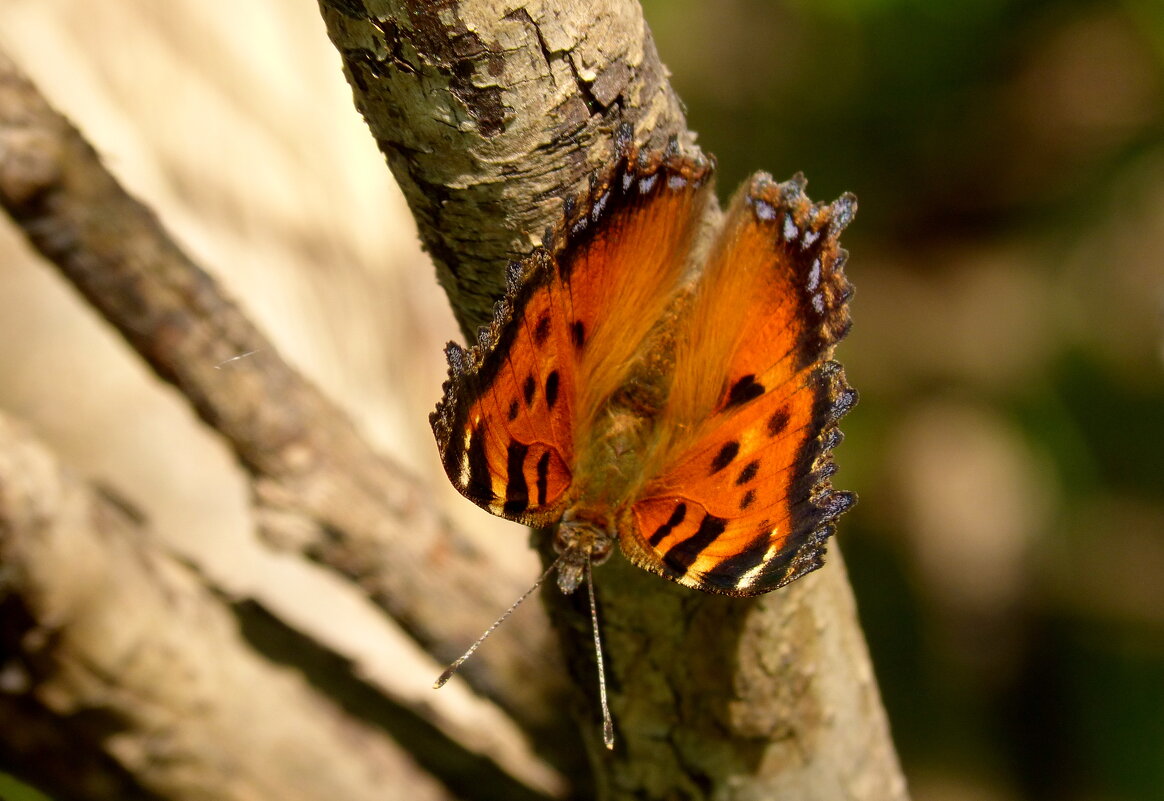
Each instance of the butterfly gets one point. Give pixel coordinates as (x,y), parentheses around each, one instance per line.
(649,381)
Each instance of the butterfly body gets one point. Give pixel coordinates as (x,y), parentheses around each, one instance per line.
(612,462)
(678,397)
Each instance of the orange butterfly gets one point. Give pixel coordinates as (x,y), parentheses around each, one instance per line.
(646,382)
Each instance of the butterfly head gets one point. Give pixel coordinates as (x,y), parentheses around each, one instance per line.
(581,542)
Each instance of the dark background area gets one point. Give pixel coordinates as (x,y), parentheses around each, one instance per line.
(1008,549)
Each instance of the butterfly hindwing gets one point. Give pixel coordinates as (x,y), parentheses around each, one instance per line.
(738,498)
(574,316)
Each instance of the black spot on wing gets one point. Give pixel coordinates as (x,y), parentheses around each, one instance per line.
(683,554)
(778,422)
(748,499)
(543,480)
(480,484)
(748,473)
(744,390)
(675,519)
(542,330)
(552,389)
(725,456)
(516,488)
(578,334)
(529,389)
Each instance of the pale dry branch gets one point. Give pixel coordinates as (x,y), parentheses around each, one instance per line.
(150,687)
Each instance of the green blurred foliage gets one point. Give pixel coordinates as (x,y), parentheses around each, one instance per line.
(13,790)
(1008,550)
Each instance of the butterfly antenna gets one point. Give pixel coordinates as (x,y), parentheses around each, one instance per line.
(607,723)
(452,669)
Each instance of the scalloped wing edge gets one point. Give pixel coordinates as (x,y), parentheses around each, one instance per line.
(761,567)
(817,228)
(825,297)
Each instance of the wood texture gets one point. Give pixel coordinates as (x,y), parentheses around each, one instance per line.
(490,112)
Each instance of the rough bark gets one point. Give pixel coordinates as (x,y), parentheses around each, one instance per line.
(485,112)
(490,112)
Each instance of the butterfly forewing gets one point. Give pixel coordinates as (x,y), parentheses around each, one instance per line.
(519,405)
(505,425)
(739,500)
(622,261)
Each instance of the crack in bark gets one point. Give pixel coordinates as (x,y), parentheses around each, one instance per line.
(583,87)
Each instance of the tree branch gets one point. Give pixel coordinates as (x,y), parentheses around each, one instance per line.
(490,112)
(484,114)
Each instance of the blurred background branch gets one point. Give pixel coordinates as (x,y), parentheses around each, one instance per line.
(315,481)
(126,677)
(310,469)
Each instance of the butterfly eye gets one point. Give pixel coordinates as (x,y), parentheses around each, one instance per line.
(602,550)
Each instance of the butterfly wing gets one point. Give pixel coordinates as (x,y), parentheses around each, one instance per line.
(739,499)
(563,337)
(503,427)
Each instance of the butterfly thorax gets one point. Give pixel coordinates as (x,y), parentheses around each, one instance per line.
(610,467)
